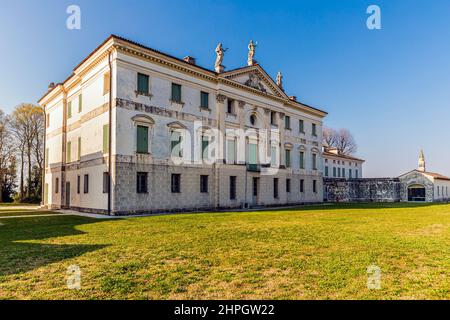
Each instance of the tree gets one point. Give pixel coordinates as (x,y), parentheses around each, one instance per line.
(5,150)
(341,139)
(27,127)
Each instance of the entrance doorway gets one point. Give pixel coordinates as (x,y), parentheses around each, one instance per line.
(416,193)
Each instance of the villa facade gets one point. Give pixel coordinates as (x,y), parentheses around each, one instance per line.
(136,130)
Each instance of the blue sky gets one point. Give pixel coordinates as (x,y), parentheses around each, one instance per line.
(390,87)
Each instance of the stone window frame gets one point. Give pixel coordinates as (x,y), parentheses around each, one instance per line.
(145,121)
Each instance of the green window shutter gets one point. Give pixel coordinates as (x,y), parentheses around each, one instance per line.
(231,151)
(252,153)
(314,160)
(301,126)
(80,103)
(105,138)
(314,129)
(273,156)
(175,141)
(69,152)
(205,143)
(288,158)
(176,92)
(79,148)
(142,139)
(204,99)
(143,83)
(287,122)
(69,109)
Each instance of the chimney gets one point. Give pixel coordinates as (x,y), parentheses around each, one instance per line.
(189,59)
(293,98)
(51,85)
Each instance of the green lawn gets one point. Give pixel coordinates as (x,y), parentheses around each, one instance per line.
(317,252)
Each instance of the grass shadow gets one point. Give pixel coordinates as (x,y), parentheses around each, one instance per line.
(17,256)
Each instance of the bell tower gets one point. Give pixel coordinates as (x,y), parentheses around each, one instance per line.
(421,161)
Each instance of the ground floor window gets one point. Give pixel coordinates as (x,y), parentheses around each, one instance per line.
(105,182)
(288,185)
(78,184)
(86,183)
(302,185)
(141,182)
(204,184)
(275,188)
(56,185)
(176,183)
(315,186)
(232,187)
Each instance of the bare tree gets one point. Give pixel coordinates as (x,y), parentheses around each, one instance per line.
(329,136)
(341,139)
(26,123)
(6,150)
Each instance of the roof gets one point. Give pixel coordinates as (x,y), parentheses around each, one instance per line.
(434,175)
(342,156)
(214,73)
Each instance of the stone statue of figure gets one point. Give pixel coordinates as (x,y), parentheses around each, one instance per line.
(219,59)
(251,53)
(280,80)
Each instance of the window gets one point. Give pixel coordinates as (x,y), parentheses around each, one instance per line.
(302,160)
(233,188)
(275,188)
(350,173)
(315,186)
(273,156)
(175,144)
(356,174)
(47,120)
(205,144)
(273,120)
(288,158)
(142,84)
(288,185)
(230,106)
(56,185)
(69,151)
(79,149)
(142,139)
(287,122)
(106,84)
(252,119)
(69,109)
(86,183)
(141,182)
(326,171)
(204,184)
(314,161)
(105,138)
(314,130)
(105,182)
(302,185)
(334,172)
(176,92)
(80,103)
(204,100)
(78,184)
(343,172)
(301,126)
(231,151)
(339,172)
(175,183)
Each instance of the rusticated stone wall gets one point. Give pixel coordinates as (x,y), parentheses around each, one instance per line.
(362,190)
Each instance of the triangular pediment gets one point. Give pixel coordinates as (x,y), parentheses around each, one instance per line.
(255,77)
